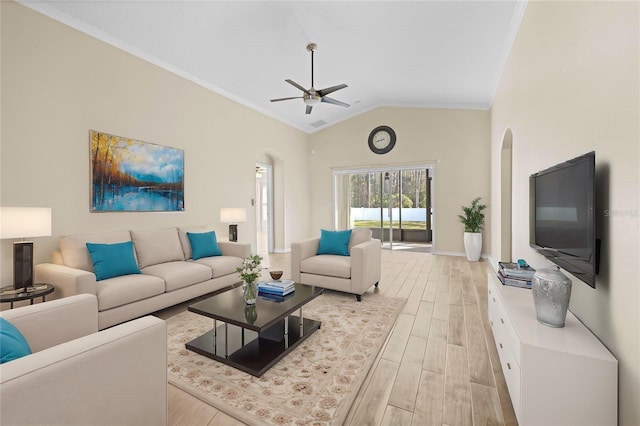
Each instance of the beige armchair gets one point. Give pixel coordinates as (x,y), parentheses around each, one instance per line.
(79,376)
(354,274)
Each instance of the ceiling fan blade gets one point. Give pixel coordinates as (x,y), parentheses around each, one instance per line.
(333,101)
(331,89)
(294,84)
(286,99)
(309,107)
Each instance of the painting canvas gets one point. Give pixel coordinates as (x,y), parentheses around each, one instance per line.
(130,175)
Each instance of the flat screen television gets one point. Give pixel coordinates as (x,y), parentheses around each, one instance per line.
(562,224)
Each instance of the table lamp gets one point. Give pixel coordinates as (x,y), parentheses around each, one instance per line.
(24,222)
(233,216)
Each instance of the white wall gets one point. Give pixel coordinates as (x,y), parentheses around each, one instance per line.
(571,86)
(456,142)
(57,83)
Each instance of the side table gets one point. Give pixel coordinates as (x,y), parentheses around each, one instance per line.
(39,290)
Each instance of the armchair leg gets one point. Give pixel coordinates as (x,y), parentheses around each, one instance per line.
(376,284)
(359,297)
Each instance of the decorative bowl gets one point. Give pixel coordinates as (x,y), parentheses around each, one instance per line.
(276,275)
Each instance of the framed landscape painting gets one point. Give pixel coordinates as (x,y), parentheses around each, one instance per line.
(131,175)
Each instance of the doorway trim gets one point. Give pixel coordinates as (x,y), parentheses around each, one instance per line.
(269,181)
(506,171)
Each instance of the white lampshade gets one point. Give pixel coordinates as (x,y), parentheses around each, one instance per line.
(233,215)
(25,222)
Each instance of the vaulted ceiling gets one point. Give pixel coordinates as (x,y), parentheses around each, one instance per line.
(447,54)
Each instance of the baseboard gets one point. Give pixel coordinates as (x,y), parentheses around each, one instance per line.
(449,253)
(484,256)
(279,250)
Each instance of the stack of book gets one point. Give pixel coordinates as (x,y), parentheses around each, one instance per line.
(278,288)
(515,275)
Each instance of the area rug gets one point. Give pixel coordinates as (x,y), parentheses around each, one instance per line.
(313,385)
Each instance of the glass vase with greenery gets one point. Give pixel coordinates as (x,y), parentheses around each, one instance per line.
(249,273)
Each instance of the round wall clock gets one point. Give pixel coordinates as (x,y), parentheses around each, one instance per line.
(382,139)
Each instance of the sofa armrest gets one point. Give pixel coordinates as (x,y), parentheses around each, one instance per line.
(48,324)
(366,259)
(229,248)
(116,376)
(300,251)
(67,281)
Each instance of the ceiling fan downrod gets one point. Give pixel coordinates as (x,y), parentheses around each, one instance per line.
(311,47)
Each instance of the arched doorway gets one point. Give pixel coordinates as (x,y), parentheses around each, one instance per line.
(506,155)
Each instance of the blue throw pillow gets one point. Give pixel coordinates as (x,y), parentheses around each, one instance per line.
(204,244)
(334,242)
(12,343)
(112,260)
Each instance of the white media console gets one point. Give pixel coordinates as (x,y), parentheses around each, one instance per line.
(555,376)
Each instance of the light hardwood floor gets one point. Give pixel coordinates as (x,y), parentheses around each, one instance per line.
(439,365)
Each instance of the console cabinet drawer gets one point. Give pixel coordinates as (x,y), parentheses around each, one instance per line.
(503,324)
(512,375)
(510,367)
(555,376)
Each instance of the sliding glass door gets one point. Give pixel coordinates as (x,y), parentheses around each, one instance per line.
(393,203)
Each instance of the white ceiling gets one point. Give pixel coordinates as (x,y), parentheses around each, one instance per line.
(390,53)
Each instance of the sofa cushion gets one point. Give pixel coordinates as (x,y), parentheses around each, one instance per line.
(179,274)
(74,249)
(203,244)
(157,246)
(359,236)
(13,345)
(118,291)
(112,260)
(334,242)
(184,239)
(221,265)
(327,264)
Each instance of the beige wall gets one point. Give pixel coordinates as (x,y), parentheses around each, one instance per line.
(456,142)
(570,87)
(57,83)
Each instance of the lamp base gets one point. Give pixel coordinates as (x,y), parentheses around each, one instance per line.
(233,233)
(22,264)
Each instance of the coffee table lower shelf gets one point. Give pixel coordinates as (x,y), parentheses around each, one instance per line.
(249,351)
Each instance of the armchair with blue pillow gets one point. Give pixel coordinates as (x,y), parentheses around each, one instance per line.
(347,261)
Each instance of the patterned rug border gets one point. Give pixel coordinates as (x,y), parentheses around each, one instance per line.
(338,375)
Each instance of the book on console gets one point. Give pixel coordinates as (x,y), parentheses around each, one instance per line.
(513,282)
(512,270)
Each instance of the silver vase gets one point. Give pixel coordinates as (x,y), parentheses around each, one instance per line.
(551,291)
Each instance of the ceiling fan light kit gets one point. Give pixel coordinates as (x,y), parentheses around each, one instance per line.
(312,97)
(312,100)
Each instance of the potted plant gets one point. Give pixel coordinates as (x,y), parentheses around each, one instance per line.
(473,220)
(249,273)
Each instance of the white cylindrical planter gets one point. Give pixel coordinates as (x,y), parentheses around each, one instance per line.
(473,245)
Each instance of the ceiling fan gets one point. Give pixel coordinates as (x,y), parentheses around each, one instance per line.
(312,96)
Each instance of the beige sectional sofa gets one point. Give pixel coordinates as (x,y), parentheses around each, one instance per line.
(169,275)
(77,375)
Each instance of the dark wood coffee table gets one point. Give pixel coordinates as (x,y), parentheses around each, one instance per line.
(254,337)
